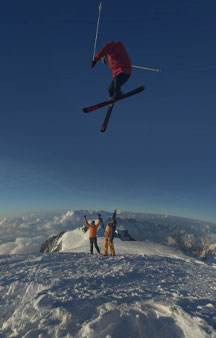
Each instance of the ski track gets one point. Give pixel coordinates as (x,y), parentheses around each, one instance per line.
(78,295)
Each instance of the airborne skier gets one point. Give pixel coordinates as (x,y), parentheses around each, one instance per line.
(115,56)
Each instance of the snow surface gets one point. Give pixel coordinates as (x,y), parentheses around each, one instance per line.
(147,290)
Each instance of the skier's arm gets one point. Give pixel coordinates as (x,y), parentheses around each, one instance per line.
(112,234)
(86,223)
(114,215)
(98,223)
(113,226)
(102,223)
(104,51)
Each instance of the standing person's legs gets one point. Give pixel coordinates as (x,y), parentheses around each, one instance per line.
(91,245)
(111,245)
(105,246)
(96,246)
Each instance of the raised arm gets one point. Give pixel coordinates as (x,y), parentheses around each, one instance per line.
(114,215)
(101,219)
(112,233)
(86,222)
(98,222)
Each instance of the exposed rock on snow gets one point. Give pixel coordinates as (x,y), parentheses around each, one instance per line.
(53,244)
(124,235)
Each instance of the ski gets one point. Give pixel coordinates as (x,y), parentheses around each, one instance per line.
(105,103)
(105,123)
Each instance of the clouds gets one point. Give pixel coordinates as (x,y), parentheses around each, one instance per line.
(21,246)
(26,234)
(34,225)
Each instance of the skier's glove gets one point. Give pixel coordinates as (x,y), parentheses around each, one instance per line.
(93,62)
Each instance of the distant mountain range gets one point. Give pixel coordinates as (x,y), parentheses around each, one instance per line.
(194,237)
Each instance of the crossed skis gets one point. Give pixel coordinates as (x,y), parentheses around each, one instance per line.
(111,105)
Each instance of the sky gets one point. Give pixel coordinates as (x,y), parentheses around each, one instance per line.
(158,153)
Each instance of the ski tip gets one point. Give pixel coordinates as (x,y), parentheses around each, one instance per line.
(87,110)
(103,128)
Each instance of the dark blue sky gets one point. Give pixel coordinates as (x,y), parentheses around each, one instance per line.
(158,154)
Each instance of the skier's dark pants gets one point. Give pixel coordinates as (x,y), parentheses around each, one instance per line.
(93,240)
(115,86)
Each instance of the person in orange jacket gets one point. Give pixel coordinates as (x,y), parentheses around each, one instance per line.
(109,235)
(93,234)
(115,56)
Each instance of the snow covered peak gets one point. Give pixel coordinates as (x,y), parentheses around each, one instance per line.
(147,289)
(67,216)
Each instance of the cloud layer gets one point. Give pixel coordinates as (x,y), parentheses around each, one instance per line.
(26,234)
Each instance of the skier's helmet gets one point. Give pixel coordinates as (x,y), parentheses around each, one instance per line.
(93,223)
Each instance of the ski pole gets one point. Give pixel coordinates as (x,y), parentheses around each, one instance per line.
(146,68)
(100,7)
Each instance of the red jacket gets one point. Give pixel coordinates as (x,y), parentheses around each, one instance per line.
(118,60)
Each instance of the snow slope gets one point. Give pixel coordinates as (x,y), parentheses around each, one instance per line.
(146,290)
